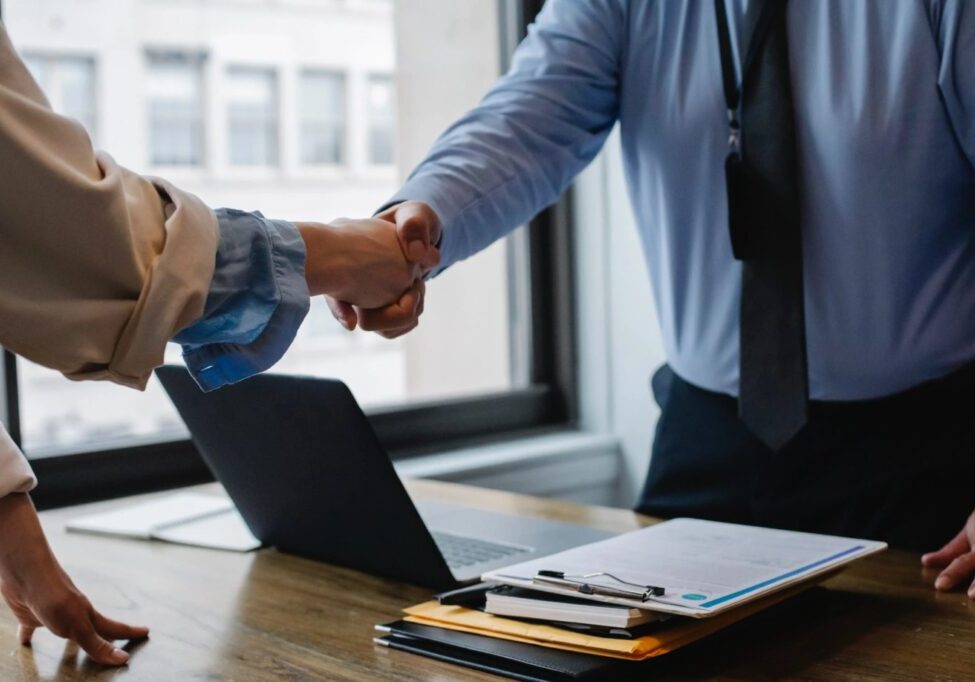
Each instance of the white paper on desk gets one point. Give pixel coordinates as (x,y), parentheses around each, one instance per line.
(185,518)
(225,530)
(706,567)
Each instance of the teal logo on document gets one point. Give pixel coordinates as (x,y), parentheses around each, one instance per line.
(693,596)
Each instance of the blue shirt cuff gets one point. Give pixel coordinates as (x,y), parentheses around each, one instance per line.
(258,298)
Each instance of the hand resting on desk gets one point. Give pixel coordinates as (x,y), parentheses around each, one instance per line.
(957,558)
(41,594)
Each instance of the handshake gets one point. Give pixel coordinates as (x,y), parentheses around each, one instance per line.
(371,271)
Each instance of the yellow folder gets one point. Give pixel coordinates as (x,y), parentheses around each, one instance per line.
(673,634)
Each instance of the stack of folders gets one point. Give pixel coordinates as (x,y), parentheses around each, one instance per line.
(608,608)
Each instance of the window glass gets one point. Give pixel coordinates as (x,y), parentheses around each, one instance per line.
(322,112)
(252,106)
(205,92)
(38,69)
(174,94)
(69,83)
(381,104)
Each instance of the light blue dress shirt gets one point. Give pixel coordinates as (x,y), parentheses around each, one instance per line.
(885,109)
(257,300)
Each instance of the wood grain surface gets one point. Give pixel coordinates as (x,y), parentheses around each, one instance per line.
(269,616)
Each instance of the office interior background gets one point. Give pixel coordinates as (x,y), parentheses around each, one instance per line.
(316,109)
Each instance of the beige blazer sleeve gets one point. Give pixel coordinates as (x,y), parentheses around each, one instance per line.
(99,266)
(16,475)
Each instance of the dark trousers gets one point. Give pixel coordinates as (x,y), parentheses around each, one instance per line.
(899,469)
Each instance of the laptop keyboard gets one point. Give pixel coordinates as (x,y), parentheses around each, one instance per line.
(460,551)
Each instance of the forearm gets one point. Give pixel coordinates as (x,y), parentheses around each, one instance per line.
(99,266)
(534,131)
(23,547)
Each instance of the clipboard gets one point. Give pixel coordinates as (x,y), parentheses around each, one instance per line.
(698,568)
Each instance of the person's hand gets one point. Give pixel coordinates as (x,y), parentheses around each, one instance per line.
(957,558)
(41,594)
(418,230)
(360,262)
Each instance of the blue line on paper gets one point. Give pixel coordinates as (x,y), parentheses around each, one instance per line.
(770,581)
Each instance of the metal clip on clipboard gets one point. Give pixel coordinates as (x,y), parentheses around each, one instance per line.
(581,584)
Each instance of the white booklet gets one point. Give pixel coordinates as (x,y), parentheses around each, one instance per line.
(184,518)
(704,567)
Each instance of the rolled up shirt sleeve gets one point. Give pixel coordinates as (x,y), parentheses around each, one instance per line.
(257,300)
(16,475)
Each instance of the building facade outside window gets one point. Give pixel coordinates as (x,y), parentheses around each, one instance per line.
(296,86)
(252,116)
(381,105)
(174,100)
(322,112)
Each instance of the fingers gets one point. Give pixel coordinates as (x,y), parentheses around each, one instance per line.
(396,316)
(343,312)
(953,549)
(396,333)
(97,648)
(113,629)
(399,332)
(431,260)
(960,569)
(25,633)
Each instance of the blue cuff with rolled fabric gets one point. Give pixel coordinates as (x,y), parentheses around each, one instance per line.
(257,301)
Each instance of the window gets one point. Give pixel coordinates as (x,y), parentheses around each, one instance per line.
(69,83)
(322,112)
(252,109)
(492,355)
(381,105)
(174,99)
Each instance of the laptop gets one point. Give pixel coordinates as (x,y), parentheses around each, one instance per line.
(301,462)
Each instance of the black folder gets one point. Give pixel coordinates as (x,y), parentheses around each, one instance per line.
(503,657)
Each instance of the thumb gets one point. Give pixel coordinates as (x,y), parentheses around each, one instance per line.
(417,228)
(343,312)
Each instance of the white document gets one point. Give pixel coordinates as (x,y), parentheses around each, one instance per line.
(184,518)
(225,530)
(705,567)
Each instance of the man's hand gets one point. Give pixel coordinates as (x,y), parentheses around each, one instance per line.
(418,230)
(41,594)
(360,262)
(957,558)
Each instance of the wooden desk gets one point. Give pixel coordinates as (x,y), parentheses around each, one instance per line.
(262,616)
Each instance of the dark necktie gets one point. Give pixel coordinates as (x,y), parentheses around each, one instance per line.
(763,191)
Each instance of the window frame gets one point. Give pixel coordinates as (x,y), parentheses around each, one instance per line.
(548,403)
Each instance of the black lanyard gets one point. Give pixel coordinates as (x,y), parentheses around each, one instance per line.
(735,170)
(732,89)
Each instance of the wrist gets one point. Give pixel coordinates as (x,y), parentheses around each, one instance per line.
(325,270)
(23,547)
